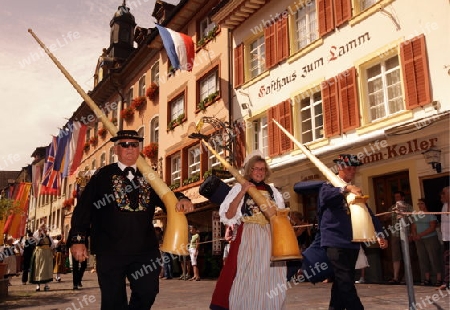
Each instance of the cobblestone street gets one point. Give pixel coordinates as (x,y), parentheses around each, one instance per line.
(176,294)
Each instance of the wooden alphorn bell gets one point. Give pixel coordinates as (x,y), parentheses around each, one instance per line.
(176,234)
(284,242)
(362,225)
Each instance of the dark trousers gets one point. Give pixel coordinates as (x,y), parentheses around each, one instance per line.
(78,270)
(26,269)
(447,262)
(167,260)
(343,290)
(141,271)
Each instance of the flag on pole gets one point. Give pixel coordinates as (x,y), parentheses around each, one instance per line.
(179,47)
(68,154)
(49,178)
(63,139)
(77,145)
(15,224)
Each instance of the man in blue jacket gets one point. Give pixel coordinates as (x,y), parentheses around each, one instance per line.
(336,234)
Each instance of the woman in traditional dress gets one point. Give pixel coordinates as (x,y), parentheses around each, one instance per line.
(42,259)
(59,265)
(250,280)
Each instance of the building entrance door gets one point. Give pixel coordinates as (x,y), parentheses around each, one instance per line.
(384,188)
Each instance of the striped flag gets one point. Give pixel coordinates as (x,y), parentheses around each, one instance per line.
(50,177)
(179,48)
(76,146)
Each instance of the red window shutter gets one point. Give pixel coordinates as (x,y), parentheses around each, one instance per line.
(348,100)
(342,11)
(330,108)
(282,40)
(285,120)
(325,15)
(271,45)
(274,132)
(413,55)
(239,152)
(239,65)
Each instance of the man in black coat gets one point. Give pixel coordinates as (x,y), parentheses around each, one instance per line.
(117,208)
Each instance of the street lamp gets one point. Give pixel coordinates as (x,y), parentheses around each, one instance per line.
(433,156)
(222,137)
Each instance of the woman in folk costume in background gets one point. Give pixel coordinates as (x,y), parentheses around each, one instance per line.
(42,259)
(59,265)
(249,276)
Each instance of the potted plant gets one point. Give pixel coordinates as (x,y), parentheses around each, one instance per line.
(207,101)
(102,132)
(175,185)
(207,173)
(87,145)
(208,37)
(68,203)
(173,123)
(127,113)
(152,91)
(180,118)
(93,140)
(151,151)
(138,102)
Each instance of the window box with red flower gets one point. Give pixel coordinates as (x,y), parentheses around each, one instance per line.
(68,203)
(93,140)
(86,146)
(102,132)
(152,91)
(127,113)
(138,102)
(151,151)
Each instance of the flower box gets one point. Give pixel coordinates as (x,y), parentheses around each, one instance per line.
(68,203)
(151,151)
(138,102)
(207,101)
(127,113)
(152,91)
(208,37)
(93,140)
(102,132)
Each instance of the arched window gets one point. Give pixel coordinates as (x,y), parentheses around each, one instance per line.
(103,160)
(154,129)
(111,155)
(141,134)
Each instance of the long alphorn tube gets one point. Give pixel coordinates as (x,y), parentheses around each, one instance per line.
(362,225)
(284,241)
(176,233)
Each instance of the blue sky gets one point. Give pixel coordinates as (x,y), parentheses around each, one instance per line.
(36,97)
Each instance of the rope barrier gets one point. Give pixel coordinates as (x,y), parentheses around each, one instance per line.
(381,214)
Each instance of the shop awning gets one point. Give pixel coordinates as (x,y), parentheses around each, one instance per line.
(307,187)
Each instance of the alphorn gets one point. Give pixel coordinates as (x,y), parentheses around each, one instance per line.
(362,225)
(176,234)
(284,242)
